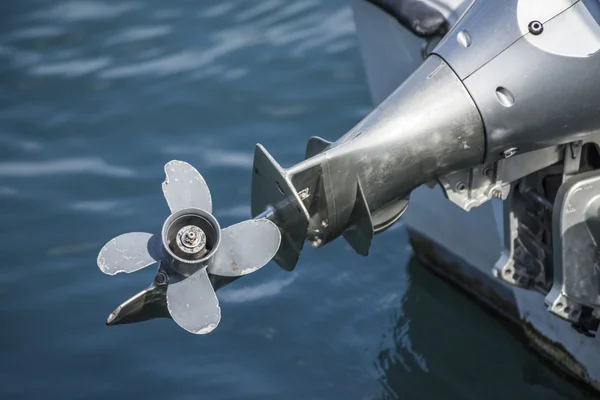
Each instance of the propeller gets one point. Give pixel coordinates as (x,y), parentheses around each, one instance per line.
(191,245)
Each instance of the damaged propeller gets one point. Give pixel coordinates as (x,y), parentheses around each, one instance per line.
(191,245)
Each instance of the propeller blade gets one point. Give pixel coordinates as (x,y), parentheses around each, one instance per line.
(184,187)
(148,304)
(130,252)
(193,303)
(246,247)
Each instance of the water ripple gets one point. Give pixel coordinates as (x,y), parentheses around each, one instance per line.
(95,205)
(176,63)
(6,191)
(72,68)
(32,169)
(253,293)
(220,158)
(137,33)
(261,8)
(38,32)
(217,10)
(86,10)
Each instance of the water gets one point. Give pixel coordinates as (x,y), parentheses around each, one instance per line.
(96,96)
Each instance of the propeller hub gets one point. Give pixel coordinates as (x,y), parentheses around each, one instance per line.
(191,235)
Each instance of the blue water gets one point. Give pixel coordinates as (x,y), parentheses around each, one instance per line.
(95,97)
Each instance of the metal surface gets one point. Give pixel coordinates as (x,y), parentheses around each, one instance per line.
(396,148)
(191,243)
(315,145)
(130,252)
(573,33)
(191,218)
(191,239)
(148,304)
(246,247)
(192,302)
(184,187)
(576,233)
(272,190)
(492,26)
(555,97)
(360,230)
(475,186)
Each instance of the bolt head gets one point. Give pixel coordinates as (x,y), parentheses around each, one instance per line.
(510,152)
(160,278)
(535,27)
(191,239)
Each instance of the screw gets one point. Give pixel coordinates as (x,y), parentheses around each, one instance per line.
(317,242)
(160,278)
(324,223)
(497,194)
(510,152)
(535,27)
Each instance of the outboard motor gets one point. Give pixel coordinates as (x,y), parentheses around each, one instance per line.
(506,106)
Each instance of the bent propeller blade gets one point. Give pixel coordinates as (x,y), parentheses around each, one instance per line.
(246,247)
(184,187)
(193,303)
(129,252)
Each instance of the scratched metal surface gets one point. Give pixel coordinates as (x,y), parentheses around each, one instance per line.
(95,97)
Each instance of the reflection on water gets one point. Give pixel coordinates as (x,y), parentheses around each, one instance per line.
(96,96)
(444,345)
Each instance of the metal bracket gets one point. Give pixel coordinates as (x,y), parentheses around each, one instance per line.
(576,236)
(473,187)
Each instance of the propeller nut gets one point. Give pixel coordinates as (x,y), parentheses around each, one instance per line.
(191,239)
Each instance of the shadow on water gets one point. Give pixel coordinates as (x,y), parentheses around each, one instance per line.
(445,345)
